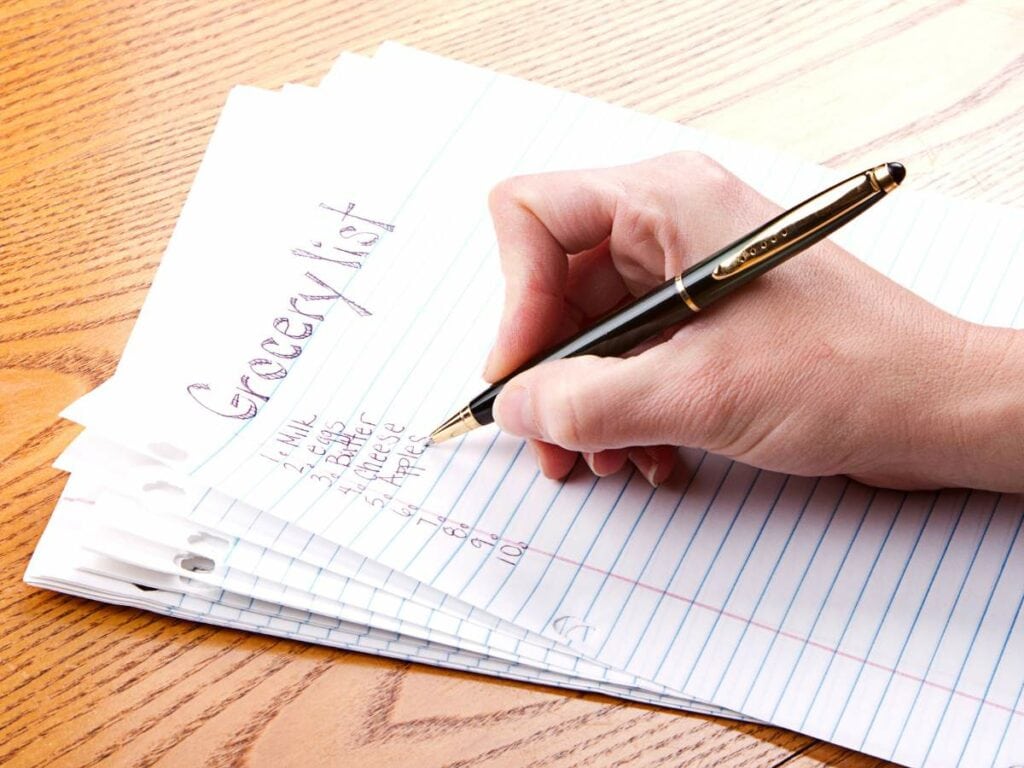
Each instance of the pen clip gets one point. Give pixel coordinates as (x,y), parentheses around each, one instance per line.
(751,255)
(807,223)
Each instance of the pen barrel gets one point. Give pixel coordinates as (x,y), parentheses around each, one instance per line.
(615,334)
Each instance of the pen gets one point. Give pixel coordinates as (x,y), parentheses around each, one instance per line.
(683,296)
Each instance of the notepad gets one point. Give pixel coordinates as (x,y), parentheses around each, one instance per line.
(329,294)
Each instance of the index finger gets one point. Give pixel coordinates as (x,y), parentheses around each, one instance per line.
(539,221)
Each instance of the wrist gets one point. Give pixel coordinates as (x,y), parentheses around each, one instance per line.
(984,443)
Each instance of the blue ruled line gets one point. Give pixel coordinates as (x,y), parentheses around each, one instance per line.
(796,591)
(974,638)
(942,634)
(723,539)
(567,588)
(650,555)
(824,601)
(991,680)
(852,613)
(917,615)
(732,587)
(885,613)
(764,589)
(679,564)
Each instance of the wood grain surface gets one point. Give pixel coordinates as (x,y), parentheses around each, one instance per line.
(105,109)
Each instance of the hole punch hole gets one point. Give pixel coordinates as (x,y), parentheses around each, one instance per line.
(194,563)
(168,452)
(162,486)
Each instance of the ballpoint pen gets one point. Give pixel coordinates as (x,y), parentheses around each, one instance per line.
(683,296)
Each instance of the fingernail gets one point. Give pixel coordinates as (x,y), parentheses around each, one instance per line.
(604,463)
(513,410)
(589,458)
(647,463)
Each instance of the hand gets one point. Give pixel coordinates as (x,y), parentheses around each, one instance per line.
(821,367)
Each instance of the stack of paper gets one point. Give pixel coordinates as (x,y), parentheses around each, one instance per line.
(329,295)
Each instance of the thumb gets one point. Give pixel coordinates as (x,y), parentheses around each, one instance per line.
(590,403)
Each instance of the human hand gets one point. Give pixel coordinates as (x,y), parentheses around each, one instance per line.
(822,367)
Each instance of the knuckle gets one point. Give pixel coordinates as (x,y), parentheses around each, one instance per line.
(505,192)
(656,209)
(563,422)
(699,166)
(714,180)
(715,394)
(515,192)
(642,216)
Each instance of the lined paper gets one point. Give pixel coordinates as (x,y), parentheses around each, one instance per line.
(887,622)
(313,585)
(59,563)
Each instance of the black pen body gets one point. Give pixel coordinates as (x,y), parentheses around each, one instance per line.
(615,334)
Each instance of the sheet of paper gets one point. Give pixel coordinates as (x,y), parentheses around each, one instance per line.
(60,562)
(136,529)
(887,622)
(146,491)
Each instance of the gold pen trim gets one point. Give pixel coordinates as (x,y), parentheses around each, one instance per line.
(462,422)
(681,290)
(806,220)
(882,176)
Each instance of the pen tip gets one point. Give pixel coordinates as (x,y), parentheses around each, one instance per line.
(462,422)
(897,171)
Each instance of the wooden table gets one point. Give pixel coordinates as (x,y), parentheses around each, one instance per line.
(105,109)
